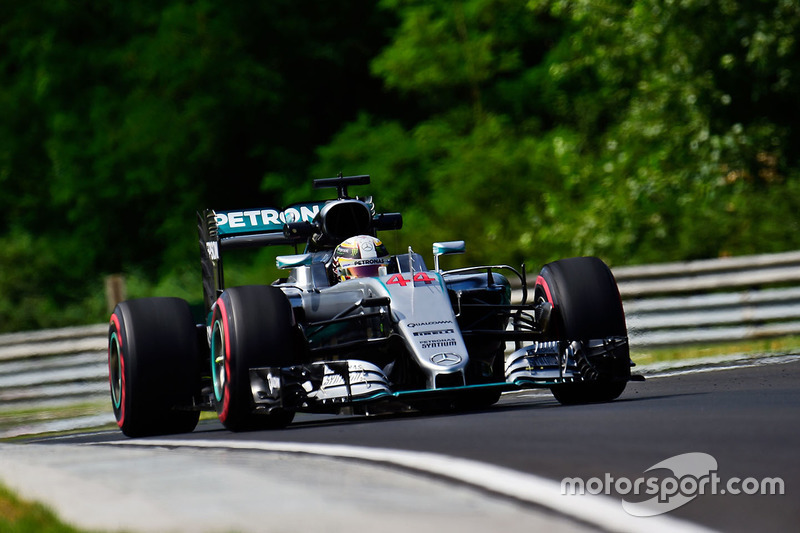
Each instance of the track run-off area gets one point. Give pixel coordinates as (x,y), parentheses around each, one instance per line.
(714,441)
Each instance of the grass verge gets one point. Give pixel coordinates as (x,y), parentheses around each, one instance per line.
(777,346)
(20,516)
(36,418)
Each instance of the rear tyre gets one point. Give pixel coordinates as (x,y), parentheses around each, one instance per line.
(586,305)
(152,364)
(251,327)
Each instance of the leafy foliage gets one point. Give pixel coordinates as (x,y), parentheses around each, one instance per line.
(639,131)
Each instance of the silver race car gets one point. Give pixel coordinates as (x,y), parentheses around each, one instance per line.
(353,328)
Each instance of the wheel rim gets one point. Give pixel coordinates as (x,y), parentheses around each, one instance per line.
(115,371)
(218,357)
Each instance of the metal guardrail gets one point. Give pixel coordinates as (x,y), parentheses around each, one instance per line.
(668,304)
(713,300)
(717,300)
(60,370)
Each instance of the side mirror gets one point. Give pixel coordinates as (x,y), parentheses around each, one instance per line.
(447,248)
(285,262)
(387,221)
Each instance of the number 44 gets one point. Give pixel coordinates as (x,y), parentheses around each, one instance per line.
(398,279)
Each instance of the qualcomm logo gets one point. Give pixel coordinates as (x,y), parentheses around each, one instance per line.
(434,323)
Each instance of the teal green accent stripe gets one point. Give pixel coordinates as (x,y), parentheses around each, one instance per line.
(428,392)
(373,397)
(214,349)
(503,386)
(117,400)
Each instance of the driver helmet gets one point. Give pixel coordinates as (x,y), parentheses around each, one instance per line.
(359,257)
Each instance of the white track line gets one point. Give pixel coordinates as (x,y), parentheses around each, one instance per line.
(680,368)
(600,511)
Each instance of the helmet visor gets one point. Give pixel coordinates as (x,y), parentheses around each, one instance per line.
(363,271)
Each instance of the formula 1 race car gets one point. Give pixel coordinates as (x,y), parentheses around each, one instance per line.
(353,328)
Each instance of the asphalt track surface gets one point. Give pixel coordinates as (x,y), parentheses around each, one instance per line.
(747,416)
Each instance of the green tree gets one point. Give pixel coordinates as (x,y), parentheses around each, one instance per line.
(639,131)
(636,130)
(120,121)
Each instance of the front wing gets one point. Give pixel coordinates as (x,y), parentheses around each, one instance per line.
(328,386)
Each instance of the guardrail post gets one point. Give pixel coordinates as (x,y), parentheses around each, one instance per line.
(115,290)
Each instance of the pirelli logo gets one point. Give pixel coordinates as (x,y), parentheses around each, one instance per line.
(432,332)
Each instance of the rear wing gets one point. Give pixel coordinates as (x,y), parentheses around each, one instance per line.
(318,225)
(261,227)
(246,228)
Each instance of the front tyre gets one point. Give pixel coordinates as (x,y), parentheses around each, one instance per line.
(251,327)
(152,364)
(586,305)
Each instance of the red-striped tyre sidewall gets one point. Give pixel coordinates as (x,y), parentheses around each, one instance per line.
(251,326)
(116,370)
(586,305)
(153,361)
(221,333)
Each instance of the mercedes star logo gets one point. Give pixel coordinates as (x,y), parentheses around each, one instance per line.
(445,359)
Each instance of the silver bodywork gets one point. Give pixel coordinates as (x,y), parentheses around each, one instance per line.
(412,333)
(415,307)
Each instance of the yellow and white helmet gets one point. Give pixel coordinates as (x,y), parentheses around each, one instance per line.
(359,257)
